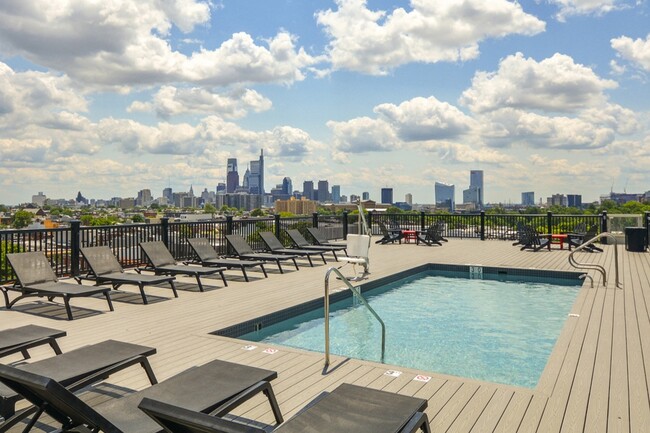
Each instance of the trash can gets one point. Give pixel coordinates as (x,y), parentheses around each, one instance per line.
(635,239)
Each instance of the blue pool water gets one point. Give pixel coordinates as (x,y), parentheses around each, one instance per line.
(499,331)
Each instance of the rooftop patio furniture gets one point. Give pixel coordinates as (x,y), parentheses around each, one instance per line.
(275,246)
(392,236)
(216,387)
(35,278)
(358,249)
(348,408)
(105,269)
(21,339)
(580,235)
(432,235)
(244,251)
(163,263)
(74,370)
(320,238)
(300,242)
(208,256)
(531,239)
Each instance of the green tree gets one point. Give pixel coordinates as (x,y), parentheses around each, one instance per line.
(137,218)
(209,208)
(22,218)
(260,213)
(394,209)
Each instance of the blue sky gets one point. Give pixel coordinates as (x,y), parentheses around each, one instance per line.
(111,97)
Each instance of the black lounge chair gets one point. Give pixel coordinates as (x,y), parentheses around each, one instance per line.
(580,235)
(75,370)
(300,242)
(163,263)
(35,277)
(533,240)
(105,269)
(216,387)
(25,337)
(392,236)
(244,251)
(432,235)
(208,256)
(349,408)
(320,238)
(275,246)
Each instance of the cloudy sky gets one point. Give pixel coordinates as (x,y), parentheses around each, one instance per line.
(113,96)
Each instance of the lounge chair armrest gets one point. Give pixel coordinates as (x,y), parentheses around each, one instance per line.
(417,422)
(106,372)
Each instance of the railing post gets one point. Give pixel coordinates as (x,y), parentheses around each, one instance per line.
(345,224)
(75,252)
(229,224)
(370,221)
(276,225)
(164,230)
(482,225)
(603,226)
(549,222)
(314,220)
(646,223)
(422,222)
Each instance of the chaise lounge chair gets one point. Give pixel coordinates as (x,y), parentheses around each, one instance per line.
(275,246)
(208,256)
(105,269)
(349,408)
(244,251)
(25,337)
(432,235)
(392,236)
(320,238)
(216,387)
(300,242)
(35,277)
(75,370)
(163,263)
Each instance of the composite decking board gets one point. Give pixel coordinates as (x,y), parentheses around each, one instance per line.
(493,411)
(177,328)
(452,409)
(473,410)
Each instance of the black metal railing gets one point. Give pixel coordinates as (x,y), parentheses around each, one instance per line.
(62,245)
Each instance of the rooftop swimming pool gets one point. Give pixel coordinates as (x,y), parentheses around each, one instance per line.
(496,326)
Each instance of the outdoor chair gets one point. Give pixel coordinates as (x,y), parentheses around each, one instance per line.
(533,240)
(275,246)
(348,408)
(580,235)
(320,238)
(521,233)
(26,337)
(74,370)
(163,263)
(244,251)
(35,278)
(105,269)
(358,248)
(216,388)
(300,242)
(208,256)
(392,236)
(432,235)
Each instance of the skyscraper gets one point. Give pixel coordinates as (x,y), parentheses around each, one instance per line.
(287,186)
(232,176)
(168,194)
(323,190)
(408,198)
(336,193)
(308,189)
(445,196)
(528,198)
(475,192)
(574,200)
(365,195)
(387,195)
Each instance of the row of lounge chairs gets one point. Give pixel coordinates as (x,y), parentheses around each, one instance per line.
(193,401)
(35,277)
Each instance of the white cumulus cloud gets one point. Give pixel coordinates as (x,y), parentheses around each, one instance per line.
(635,51)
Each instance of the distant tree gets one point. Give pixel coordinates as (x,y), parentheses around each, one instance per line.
(634,207)
(284,215)
(260,213)
(137,218)
(210,208)
(394,209)
(3,208)
(22,218)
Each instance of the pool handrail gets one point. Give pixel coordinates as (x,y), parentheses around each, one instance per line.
(357,293)
(594,266)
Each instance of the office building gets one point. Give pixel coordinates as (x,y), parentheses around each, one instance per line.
(528,198)
(557,200)
(445,196)
(475,193)
(221,187)
(297,207)
(39,199)
(387,195)
(365,195)
(242,201)
(287,186)
(323,191)
(256,175)
(336,193)
(308,189)
(168,195)
(574,200)
(144,198)
(232,175)
(408,198)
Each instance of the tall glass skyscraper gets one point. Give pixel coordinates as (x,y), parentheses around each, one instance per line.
(387,195)
(475,192)
(445,196)
(232,176)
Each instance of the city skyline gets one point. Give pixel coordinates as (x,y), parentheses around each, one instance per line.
(112,97)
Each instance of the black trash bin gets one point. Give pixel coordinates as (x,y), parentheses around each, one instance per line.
(635,239)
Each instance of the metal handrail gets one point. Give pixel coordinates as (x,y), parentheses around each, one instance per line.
(357,293)
(594,266)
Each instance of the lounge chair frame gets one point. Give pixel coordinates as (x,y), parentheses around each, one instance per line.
(301,242)
(275,246)
(26,337)
(244,251)
(208,256)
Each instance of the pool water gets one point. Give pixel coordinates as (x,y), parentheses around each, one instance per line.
(498,331)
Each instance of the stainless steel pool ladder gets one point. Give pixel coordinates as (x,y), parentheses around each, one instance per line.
(357,293)
(594,266)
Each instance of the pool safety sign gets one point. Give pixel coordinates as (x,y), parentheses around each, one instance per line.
(422,378)
(249,347)
(393,373)
(270,351)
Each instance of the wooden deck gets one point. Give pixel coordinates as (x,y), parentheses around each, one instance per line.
(597,379)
